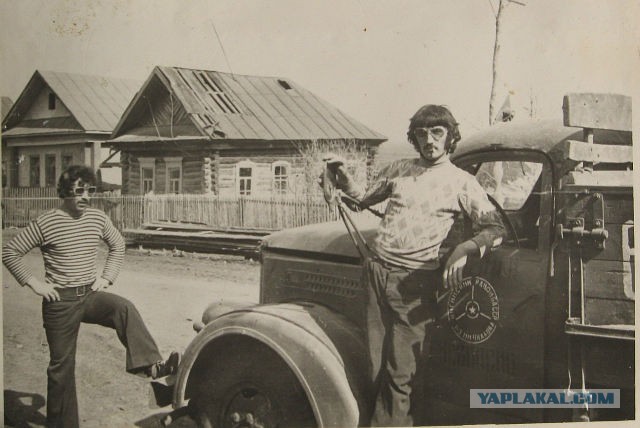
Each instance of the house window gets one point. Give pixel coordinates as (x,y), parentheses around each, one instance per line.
(5,170)
(147,180)
(50,170)
(174,174)
(245,177)
(174,180)
(67,160)
(52,101)
(147,174)
(34,171)
(280,177)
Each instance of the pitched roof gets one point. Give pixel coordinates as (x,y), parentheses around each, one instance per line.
(240,107)
(96,102)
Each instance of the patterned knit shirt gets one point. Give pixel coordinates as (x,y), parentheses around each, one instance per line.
(69,248)
(423,202)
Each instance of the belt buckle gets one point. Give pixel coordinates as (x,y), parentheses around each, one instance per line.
(78,293)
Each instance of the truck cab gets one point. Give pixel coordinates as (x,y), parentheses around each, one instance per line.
(552,308)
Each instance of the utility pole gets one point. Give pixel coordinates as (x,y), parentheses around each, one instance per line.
(502,4)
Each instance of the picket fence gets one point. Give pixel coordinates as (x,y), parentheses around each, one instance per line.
(131,211)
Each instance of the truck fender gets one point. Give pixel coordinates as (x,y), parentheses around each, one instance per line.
(324,350)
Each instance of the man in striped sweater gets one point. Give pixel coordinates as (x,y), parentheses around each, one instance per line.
(72,290)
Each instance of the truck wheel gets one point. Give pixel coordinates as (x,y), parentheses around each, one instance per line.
(249,385)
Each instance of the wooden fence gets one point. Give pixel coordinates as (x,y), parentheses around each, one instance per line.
(30,192)
(131,211)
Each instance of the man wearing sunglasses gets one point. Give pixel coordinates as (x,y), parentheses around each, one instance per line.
(68,238)
(424,196)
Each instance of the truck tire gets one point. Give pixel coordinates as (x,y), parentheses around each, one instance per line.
(249,385)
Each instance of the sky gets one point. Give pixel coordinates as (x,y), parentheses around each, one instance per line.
(378,61)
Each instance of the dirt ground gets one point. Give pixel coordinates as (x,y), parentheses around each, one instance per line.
(170,291)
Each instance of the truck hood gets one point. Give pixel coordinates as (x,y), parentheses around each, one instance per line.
(330,238)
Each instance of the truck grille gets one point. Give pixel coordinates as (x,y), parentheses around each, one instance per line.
(322,283)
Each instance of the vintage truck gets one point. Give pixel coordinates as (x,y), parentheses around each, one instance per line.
(552,308)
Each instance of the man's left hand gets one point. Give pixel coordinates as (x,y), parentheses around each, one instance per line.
(454,268)
(100,284)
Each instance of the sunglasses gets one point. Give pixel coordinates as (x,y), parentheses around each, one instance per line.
(79,191)
(436,132)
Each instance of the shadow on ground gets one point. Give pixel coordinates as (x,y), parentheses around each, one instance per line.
(23,409)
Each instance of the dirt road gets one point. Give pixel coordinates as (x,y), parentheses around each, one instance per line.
(170,293)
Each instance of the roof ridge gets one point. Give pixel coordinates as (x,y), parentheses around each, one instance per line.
(90,75)
(227,72)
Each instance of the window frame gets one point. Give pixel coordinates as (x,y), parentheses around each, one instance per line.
(64,165)
(279,178)
(5,172)
(35,179)
(50,181)
(245,164)
(147,163)
(173,163)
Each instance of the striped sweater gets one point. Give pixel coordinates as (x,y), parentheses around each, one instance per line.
(69,248)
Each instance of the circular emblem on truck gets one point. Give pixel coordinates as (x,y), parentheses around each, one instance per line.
(473,310)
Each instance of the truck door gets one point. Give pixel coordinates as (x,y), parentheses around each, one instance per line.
(492,328)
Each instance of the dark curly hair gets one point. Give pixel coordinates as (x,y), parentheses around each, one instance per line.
(70,176)
(434,115)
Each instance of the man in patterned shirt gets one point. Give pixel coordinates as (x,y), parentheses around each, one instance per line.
(424,196)
(68,238)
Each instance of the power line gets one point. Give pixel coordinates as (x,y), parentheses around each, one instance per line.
(222,47)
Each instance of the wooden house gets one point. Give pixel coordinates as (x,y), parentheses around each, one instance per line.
(200,131)
(60,119)
(5,106)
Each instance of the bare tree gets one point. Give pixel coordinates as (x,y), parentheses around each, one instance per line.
(502,5)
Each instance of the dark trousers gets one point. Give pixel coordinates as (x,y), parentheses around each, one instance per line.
(401,302)
(62,322)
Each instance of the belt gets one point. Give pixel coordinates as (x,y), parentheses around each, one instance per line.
(74,292)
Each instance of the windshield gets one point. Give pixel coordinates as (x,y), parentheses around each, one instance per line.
(509,182)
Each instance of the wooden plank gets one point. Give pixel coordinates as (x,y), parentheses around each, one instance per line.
(604,312)
(207,243)
(200,235)
(580,151)
(609,280)
(599,179)
(597,111)
(198,227)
